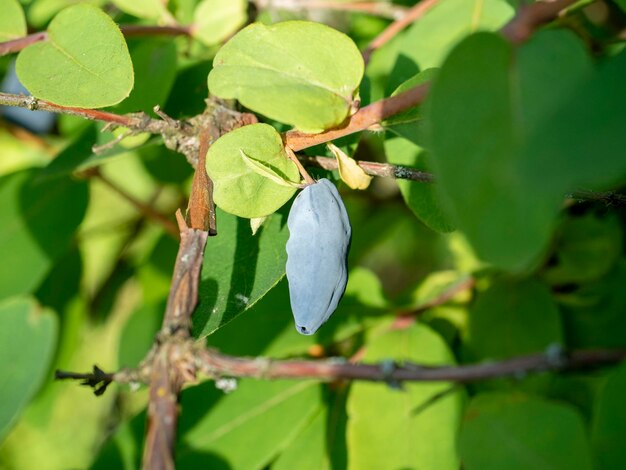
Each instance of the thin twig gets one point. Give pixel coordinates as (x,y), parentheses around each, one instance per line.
(16,45)
(137,30)
(216,364)
(531,16)
(305,174)
(145,209)
(386,10)
(361,120)
(448,294)
(131,30)
(394,28)
(34,104)
(386,170)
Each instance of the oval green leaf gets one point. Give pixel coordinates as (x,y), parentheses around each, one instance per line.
(239,269)
(396,438)
(213,435)
(485,103)
(215,20)
(518,432)
(84,63)
(241,190)
(297,72)
(12,21)
(27,338)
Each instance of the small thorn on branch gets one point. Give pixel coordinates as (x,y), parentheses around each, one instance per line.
(98,380)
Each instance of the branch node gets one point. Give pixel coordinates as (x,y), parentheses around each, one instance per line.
(32,103)
(98,380)
(387,368)
(176,124)
(556,356)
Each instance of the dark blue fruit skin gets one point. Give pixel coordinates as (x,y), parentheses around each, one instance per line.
(317,250)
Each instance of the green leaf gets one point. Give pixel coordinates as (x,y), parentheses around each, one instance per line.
(27,339)
(592,124)
(297,72)
(429,40)
(512,318)
(269,414)
(154,63)
(406,123)
(150,9)
(519,432)
(266,329)
(486,101)
(423,199)
(436,284)
(239,269)
(12,21)
(239,189)
(262,169)
(84,62)
(38,221)
(410,430)
(609,422)
(587,248)
(215,20)
(308,450)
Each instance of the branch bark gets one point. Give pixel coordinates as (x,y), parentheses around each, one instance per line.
(170,356)
(216,364)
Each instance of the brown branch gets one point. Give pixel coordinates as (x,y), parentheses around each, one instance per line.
(386,170)
(170,358)
(394,28)
(16,45)
(386,10)
(132,30)
(530,17)
(138,30)
(145,209)
(34,104)
(216,364)
(448,294)
(363,119)
(201,209)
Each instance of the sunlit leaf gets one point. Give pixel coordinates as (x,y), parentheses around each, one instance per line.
(415,426)
(518,432)
(300,73)
(12,21)
(239,189)
(215,20)
(84,62)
